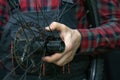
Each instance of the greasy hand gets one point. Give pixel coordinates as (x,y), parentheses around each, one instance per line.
(71,39)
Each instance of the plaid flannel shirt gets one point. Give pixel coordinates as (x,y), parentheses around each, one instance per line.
(105,35)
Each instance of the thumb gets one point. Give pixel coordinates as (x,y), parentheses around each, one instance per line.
(56,26)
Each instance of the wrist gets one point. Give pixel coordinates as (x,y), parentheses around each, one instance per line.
(78,35)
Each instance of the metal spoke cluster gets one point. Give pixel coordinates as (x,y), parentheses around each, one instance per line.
(29,45)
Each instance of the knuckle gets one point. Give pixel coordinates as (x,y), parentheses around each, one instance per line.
(54,23)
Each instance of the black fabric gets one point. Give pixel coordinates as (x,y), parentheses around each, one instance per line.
(2,73)
(78,71)
(112,65)
(13,4)
(92,13)
(68,17)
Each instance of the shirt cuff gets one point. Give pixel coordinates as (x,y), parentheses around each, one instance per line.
(88,41)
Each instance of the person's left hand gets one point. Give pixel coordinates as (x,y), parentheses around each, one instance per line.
(71,39)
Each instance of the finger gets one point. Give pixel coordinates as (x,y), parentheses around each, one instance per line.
(53,58)
(56,26)
(65,59)
(62,63)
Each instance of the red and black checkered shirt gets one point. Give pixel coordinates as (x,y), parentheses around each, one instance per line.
(105,35)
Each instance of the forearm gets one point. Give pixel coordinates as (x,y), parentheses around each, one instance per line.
(107,35)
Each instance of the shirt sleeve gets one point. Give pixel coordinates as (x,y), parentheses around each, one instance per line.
(4,15)
(107,35)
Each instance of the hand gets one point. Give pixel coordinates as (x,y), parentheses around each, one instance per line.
(71,39)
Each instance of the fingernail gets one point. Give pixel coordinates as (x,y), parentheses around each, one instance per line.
(47,28)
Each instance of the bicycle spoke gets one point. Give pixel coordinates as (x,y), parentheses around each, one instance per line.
(19,65)
(44,16)
(24,55)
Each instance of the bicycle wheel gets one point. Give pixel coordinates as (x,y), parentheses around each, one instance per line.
(30,42)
